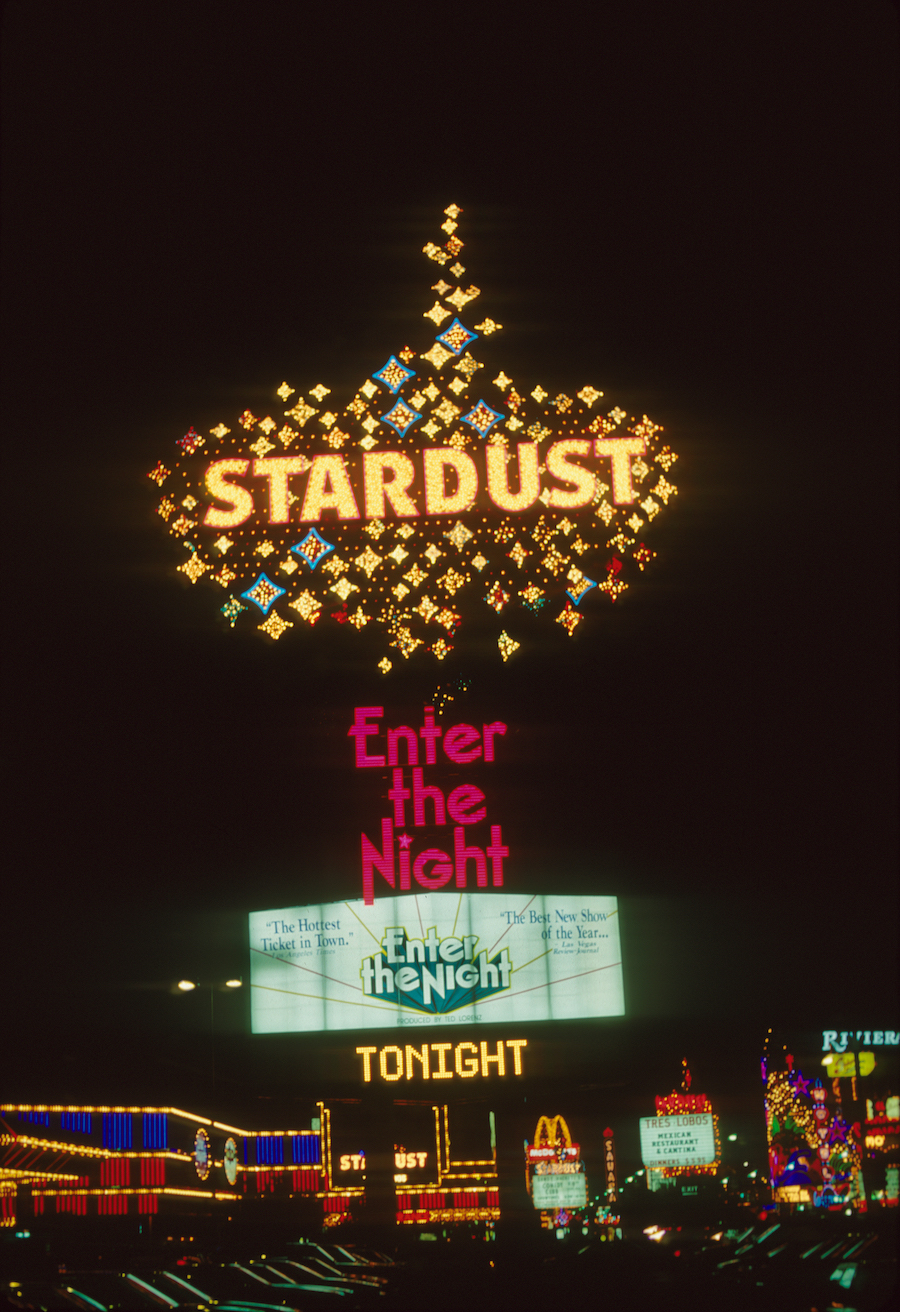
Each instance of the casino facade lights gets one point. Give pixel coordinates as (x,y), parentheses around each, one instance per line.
(138,1161)
(436,492)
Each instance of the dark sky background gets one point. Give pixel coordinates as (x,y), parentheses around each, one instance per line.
(691,206)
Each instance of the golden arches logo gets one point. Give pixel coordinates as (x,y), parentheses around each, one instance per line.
(550,1130)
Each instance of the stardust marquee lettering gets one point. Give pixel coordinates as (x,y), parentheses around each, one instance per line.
(442,1061)
(385,480)
(417,803)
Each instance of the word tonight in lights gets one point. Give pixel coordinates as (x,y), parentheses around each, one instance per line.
(435,1063)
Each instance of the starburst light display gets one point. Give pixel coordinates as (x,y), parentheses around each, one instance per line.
(438,491)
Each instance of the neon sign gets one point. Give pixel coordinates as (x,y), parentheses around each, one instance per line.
(434,1061)
(416,804)
(429,491)
(837,1041)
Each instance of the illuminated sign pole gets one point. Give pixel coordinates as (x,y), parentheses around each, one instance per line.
(609,1163)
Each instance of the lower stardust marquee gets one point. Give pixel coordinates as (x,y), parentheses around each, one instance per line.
(435,958)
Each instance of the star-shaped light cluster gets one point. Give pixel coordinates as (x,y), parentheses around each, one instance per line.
(418,579)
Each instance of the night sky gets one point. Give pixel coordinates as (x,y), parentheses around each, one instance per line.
(692,207)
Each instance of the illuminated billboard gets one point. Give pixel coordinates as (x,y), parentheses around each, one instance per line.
(673,1141)
(557,1191)
(435,959)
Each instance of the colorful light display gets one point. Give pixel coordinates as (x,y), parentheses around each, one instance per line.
(413,488)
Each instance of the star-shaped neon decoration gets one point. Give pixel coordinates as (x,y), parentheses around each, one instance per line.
(456,338)
(159,474)
(458,535)
(264,593)
(274,626)
(404,840)
(313,548)
(232,609)
(401,418)
(394,375)
(320,391)
(482,418)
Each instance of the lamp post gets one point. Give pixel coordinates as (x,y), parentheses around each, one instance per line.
(188,986)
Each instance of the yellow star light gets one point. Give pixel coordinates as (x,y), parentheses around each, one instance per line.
(368,442)
(502,381)
(181,525)
(267,424)
(437,314)
(432,554)
(553,562)
(307,606)
(497,598)
(400,590)
(580,547)
(264,549)
(301,412)
(448,618)
(666,458)
(431,392)
(507,645)
(513,423)
(518,554)
(562,403)
(247,420)
(438,355)
(589,395)
(415,576)
(435,253)
(286,435)
(328,419)
(453,211)
(639,470)
(398,555)
(369,389)
(343,588)
(426,608)
(605,511)
(219,431)
(274,625)
(431,429)
(452,581)
(565,526)
(612,588)
(374,528)
(224,576)
(449,227)
(664,490)
(446,411)
(337,437)
(194,568)
(357,407)
(441,287)
(617,415)
(284,391)
(319,392)
(441,648)
(384,665)
(166,508)
(634,523)
(570,619)
(468,365)
(539,394)
(160,473)
(368,562)
(531,594)
(359,619)
(457,269)
(369,424)
(335,565)
(459,535)
(461,298)
(405,531)
(262,447)
(479,562)
(288,566)
(487,326)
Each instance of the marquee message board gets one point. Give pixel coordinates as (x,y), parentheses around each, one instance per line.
(435,959)
(558,1191)
(668,1141)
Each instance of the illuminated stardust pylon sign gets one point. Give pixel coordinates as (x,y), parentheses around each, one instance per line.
(433,491)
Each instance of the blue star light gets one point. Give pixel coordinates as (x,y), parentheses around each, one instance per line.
(401,418)
(394,375)
(264,593)
(456,338)
(313,548)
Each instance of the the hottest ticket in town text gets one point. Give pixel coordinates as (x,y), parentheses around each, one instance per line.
(435,958)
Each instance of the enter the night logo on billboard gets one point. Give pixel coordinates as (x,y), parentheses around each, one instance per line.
(435,493)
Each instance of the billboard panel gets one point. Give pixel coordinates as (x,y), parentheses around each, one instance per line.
(555,1191)
(678,1140)
(433,959)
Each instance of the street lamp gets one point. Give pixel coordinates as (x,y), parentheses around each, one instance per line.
(188,986)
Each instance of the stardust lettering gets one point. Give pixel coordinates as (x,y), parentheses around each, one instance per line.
(336,483)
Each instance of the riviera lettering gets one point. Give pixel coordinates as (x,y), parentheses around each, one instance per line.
(386,478)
